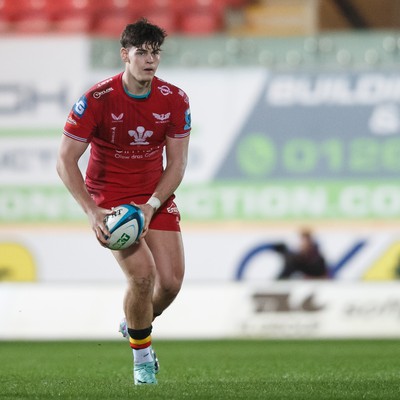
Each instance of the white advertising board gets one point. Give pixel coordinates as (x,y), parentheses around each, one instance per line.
(40,78)
(305,310)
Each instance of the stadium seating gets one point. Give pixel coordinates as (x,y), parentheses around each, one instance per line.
(167,19)
(73,23)
(201,21)
(71,16)
(25,16)
(106,17)
(110,24)
(191,17)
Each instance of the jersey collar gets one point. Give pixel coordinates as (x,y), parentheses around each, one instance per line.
(135,96)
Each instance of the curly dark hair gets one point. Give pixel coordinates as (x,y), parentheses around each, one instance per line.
(142,32)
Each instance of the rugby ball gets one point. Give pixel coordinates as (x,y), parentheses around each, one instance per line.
(125,225)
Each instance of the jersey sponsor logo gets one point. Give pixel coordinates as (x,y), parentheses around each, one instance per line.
(184,95)
(162,117)
(113,131)
(117,118)
(165,90)
(80,107)
(127,155)
(137,154)
(140,136)
(173,209)
(71,121)
(188,119)
(102,83)
(97,95)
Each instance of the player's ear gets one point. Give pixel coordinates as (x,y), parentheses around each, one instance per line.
(124,54)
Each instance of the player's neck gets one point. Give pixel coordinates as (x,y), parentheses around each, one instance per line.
(134,87)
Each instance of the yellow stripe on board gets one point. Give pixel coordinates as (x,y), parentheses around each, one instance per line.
(386,267)
(16,263)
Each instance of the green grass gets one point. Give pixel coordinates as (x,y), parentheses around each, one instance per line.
(227,369)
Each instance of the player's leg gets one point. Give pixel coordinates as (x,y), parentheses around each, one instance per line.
(138,265)
(168,254)
(167,251)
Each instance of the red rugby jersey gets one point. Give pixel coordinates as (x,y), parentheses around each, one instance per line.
(127,134)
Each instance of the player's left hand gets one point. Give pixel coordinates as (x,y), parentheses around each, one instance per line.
(148,212)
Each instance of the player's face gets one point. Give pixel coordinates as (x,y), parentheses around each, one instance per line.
(142,62)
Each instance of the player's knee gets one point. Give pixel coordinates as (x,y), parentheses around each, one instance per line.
(170,288)
(141,285)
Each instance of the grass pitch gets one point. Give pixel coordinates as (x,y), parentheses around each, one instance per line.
(228,369)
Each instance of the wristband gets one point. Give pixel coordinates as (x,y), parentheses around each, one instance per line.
(154,202)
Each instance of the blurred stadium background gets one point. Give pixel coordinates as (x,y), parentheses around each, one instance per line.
(296,123)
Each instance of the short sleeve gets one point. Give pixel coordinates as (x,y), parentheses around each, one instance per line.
(80,123)
(180,125)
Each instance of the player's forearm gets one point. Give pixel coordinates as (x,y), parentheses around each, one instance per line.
(170,180)
(72,178)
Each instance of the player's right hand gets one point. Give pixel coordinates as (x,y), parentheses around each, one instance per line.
(97,216)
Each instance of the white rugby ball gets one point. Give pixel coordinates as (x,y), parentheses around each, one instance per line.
(125,225)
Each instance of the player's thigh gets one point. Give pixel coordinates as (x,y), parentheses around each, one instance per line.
(168,253)
(136,261)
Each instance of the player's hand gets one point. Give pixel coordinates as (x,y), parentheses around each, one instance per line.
(148,212)
(97,217)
